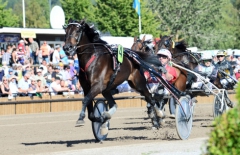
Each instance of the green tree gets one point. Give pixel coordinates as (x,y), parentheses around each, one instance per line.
(7,19)
(194,21)
(78,10)
(229,24)
(37,13)
(120,19)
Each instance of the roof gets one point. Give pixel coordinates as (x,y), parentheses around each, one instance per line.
(36,30)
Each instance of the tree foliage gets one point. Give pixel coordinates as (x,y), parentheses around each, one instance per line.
(7,19)
(195,21)
(120,19)
(78,10)
(37,13)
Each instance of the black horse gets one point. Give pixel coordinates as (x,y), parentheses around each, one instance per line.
(100,72)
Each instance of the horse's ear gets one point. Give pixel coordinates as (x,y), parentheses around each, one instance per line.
(64,27)
(143,39)
(135,39)
(70,20)
(160,36)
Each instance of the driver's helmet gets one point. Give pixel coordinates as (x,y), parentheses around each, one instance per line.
(219,53)
(165,52)
(206,56)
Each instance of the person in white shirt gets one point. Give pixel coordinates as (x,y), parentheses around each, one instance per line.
(56,55)
(55,87)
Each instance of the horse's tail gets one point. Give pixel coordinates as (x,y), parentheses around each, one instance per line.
(149,58)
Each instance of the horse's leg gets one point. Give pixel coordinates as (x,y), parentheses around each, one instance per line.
(140,86)
(87,102)
(112,105)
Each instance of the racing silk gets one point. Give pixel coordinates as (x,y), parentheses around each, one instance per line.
(225,66)
(153,79)
(210,72)
(172,71)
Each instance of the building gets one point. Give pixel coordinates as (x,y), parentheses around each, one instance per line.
(9,35)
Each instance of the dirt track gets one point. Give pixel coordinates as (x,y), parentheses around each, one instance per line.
(54,132)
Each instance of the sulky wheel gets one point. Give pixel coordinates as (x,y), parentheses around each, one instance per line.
(184,118)
(98,125)
(217,104)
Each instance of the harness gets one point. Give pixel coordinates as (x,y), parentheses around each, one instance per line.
(113,51)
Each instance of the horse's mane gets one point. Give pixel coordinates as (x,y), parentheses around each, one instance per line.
(92,34)
(181,45)
(149,58)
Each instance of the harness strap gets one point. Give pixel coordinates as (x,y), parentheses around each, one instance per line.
(89,62)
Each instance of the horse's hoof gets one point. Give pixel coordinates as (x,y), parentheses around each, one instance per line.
(162,122)
(106,116)
(80,123)
(154,128)
(104,129)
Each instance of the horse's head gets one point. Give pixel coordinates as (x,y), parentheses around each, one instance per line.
(165,42)
(142,45)
(78,33)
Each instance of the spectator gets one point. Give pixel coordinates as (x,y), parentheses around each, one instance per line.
(73,72)
(45,51)
(63,85)
(56,55)
(35,49)
(6,57)
(13,85)
(23,85)
(48,76)
(68,77)
(55,87)
(19,72)
(40,87)
(32,87)
(1,54)
(5,90)
(14,56)
(39,76)
(28,53)
(5,68)
(56,73)
(40,56)
(21,46)
(20,55)
(63,57)
(1,74)
(76,63)
(10,73)
(43,67)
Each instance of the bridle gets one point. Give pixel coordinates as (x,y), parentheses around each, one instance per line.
(138,41)
(77,35)
(143,46)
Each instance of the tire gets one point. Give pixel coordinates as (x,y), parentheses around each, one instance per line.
(98,109)
(217,106)
(184,118)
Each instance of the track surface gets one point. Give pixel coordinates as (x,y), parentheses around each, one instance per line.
(129,128)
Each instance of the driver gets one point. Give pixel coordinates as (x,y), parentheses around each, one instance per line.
(226,67)
(206,69)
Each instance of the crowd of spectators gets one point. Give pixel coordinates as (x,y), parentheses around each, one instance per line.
(32,70)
